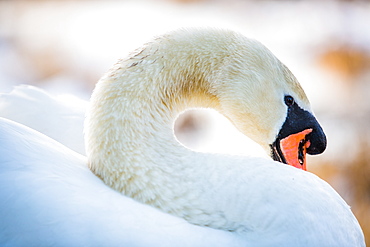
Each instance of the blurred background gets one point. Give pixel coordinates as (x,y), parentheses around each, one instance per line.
(64,47)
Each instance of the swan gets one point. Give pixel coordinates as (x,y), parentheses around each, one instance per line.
(138,186)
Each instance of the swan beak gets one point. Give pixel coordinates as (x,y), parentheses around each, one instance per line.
(294,149)
(300,134)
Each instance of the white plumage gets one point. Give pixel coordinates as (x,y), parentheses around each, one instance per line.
(50,197)
(60,118)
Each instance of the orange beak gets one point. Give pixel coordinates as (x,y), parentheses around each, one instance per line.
(294,148)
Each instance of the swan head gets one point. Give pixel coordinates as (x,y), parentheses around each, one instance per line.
(265,101)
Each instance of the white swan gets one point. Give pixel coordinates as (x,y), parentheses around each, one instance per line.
(50,197)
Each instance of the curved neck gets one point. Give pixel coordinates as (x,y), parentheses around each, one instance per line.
(129,127)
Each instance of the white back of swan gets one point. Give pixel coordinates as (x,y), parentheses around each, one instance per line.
(50,198)
(59,118)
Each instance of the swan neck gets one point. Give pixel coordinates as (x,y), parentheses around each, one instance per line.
(130,122)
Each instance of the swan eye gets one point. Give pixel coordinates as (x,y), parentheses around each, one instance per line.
(289,100)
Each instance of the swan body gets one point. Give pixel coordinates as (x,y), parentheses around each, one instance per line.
(226,200)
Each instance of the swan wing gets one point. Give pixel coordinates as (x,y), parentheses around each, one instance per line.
(48,197)
(59,117)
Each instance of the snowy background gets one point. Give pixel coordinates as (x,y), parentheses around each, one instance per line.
(64,47)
